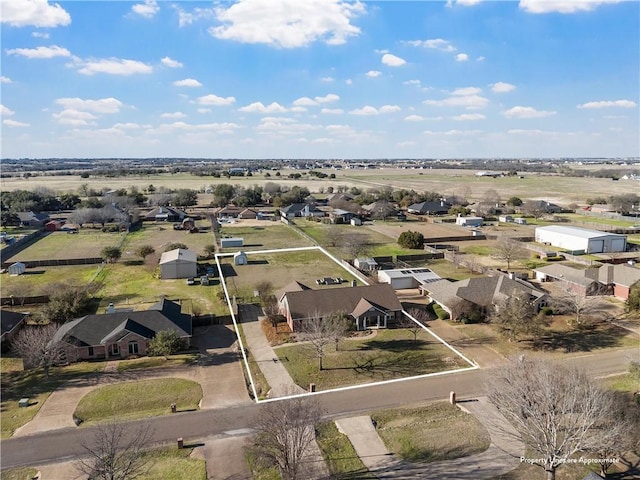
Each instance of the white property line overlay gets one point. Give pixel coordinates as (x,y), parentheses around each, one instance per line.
(474,365)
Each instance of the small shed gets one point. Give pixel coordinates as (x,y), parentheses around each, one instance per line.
(356,222)
(178,263)
(505,218)
(520,220)
(17,268)
(367,264)
(53,225)
(231,242)
(240,258)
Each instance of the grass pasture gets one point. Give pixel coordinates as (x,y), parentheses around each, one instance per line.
(384,355)
(38,280)
(160,234)
(60,245)
(430,433)
(139,399)
(268,236)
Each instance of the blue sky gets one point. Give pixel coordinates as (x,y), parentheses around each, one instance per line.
(320,79)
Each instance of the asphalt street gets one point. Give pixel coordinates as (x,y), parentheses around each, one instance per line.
(63,444)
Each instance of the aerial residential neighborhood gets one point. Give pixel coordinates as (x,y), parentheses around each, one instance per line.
(320,239)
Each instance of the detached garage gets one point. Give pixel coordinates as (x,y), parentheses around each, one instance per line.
(581,239)
(178,263)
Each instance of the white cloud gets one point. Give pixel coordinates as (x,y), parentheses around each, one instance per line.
(327,79)
(366,110)
(392,61)
(462,57)
(103,105)
(329,98)
(74,117)
(527,112)
(373,73)
(165,128)
(204,110)
(502,87)
(413,118)
(14,123)
(332,111)
(148,9)
(305,102)
(40,34)
(312,102)
(40,52)
(467,91)
(126,126)
(288,23)
(412,82)
(187,18)
(434,43)
(170,62)
(37,13)
(187,82)
(4,79)
(5,111)
(468,3)
(469,116)
(215,100)
(480,59)
(470,102)
(609,103)
(113,66)
(173,115)
(259,107)
(369,110)
(348,81)
(454,133)
(389,108)
(562,6)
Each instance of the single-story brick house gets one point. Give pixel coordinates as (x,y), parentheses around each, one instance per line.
(165,214)
(370,306)
(481,292)
(121,334)
(301,210)
(33,219)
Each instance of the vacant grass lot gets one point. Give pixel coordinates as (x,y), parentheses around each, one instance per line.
(430,433)
(32,384)
(39,280)
(86,243)
(384,355)
(161,234)
(281,269)
(146,398)
(272,235)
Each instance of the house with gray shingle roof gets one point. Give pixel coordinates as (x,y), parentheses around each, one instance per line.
(121,334)
(481,292)
(369,306)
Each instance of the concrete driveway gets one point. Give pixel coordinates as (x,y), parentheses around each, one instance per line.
(219,372)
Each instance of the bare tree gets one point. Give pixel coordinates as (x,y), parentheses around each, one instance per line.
(555,410)
(414,327)
(284,432)
(333,236)
(509,250)
(356,245)
(581,307)
(39,347)
(322,330)
(264,289)
(516,315)
(116,452)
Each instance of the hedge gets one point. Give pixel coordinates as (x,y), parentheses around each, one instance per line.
(440,312)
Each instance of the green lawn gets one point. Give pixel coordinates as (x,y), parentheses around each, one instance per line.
(271,236)
(159,235)
(157,362)
(388,355)
(146,398)
(61,245)
(338,452)
(430,433)
(174,464)
(35,281)
(32,384)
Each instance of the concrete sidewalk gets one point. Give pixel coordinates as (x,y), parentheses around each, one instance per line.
(274,371)
(501,457)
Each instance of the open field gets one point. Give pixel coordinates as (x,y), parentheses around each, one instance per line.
(554,188)
(60,245)
(385,354)
(281,269)
(429,433)
(264,236)
(39,280)
(161,234)
(139,399)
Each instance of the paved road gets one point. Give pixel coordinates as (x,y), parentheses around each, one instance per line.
(55,446)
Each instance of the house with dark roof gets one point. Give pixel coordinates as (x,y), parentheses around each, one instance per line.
(121,334)
(10,323)
(301,210)
(483,293)
(32,219)
(165,214)
(369,306)
(429,208)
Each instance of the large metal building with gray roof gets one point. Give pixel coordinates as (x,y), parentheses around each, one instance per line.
(577,239)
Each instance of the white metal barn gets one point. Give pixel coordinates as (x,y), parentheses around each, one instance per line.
(178,263)
(17,268)
(469,221)
(407,278)
(581,239)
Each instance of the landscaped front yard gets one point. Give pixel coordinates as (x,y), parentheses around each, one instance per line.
(385,354)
